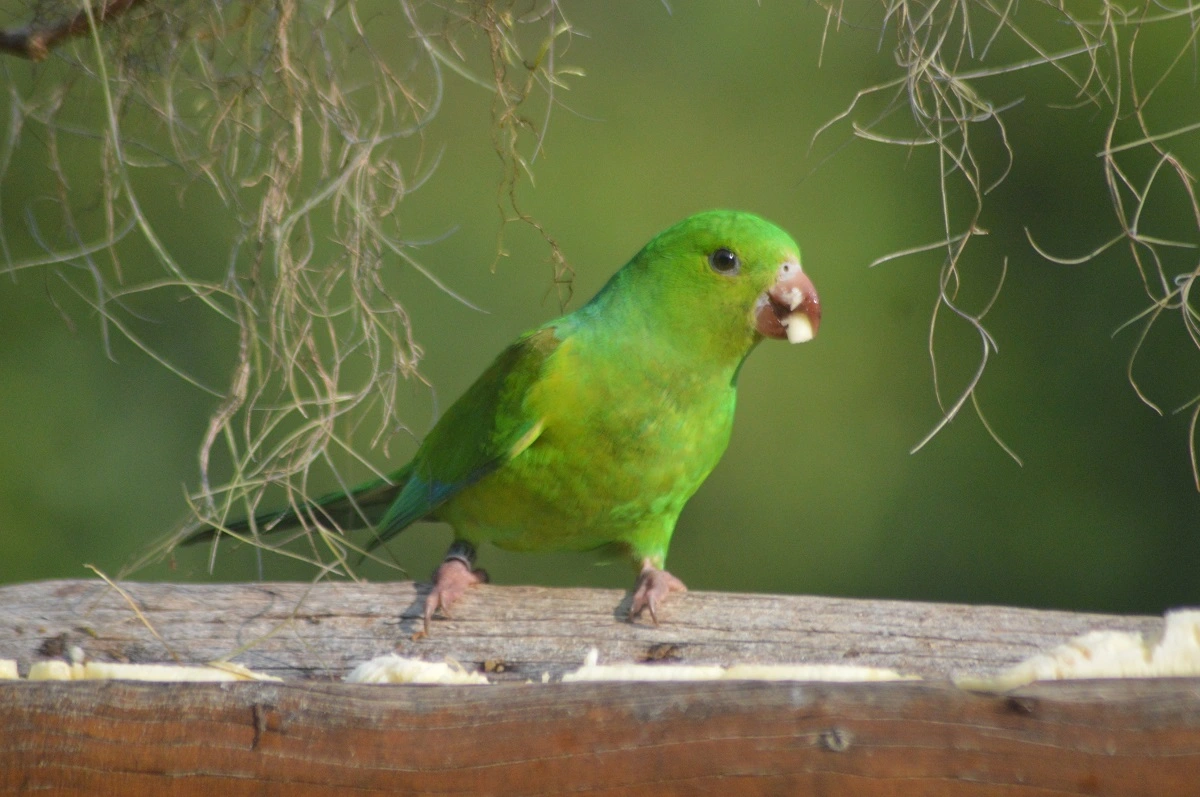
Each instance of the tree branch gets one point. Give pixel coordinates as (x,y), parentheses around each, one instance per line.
(35,42)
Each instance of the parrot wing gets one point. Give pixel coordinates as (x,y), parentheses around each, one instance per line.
(487,427)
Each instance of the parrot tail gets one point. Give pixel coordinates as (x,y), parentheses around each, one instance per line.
(362,507)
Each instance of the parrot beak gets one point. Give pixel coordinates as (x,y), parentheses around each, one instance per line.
(789,308)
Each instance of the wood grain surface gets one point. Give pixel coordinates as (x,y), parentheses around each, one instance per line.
(321,631)
(313,735)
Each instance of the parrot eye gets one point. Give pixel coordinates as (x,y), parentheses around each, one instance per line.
(724,261)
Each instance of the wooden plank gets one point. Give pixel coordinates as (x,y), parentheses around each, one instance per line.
(321,631)
(313,735)
(726,738)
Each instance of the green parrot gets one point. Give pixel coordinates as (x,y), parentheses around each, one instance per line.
(596,428)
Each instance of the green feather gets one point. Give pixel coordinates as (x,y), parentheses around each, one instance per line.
(485,429)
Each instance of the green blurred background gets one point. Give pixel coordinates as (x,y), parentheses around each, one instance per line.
(712,105)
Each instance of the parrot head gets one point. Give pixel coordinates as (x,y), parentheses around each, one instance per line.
(726,280)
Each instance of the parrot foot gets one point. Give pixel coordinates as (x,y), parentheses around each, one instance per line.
(450,582)
(653,586)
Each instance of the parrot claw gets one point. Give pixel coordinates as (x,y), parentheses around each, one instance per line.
(653,586)
(450,582)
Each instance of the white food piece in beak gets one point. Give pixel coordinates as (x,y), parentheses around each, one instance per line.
(799,328)
(793,297)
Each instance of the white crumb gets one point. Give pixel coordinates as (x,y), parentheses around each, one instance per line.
(393,669)
(645,672)
(221,671)
(57,670)
(593,671)
(8,669)
(813,672)
(1108,654)
(793,297)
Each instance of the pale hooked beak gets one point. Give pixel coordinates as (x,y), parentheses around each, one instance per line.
(789,308)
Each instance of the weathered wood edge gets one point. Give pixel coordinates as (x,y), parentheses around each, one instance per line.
(295,630)
(729,738)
